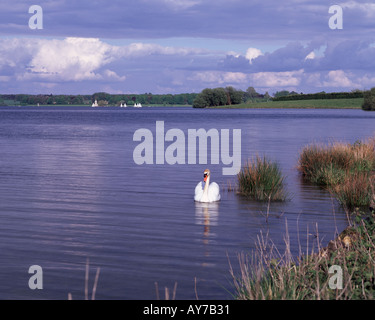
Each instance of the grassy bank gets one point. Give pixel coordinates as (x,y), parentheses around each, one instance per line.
(344,270)
(304,104)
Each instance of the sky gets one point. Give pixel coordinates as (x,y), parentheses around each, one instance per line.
(184,46)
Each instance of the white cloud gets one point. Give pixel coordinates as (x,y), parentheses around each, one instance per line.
(113,75)
(313,79)
(220,77)
(140,49)
(75,59)
(277,79)
(338,78)
(59,63)
(71,59)
(253,53)
(367,8)
(310,56)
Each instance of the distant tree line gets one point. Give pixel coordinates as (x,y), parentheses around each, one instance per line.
(207,98)
(227,96)
(103,97)
(146,98)
(287,96)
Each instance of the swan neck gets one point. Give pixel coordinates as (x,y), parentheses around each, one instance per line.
(206,185)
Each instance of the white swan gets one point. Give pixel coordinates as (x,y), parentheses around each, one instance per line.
(210,193)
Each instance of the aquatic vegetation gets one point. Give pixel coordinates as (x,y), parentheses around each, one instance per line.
(261,179)
(355,191)
(346,170)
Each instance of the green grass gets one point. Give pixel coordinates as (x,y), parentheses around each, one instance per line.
(355,103)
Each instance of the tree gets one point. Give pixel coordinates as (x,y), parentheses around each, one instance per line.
(219,97)
(200,102)
(101,96)
(251,93)
(235,96)
(282,93)
(369,100)
(208,96)
(267,96)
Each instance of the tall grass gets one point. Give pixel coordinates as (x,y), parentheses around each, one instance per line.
(261,179)
(346,170)
(268,274)
(355,191)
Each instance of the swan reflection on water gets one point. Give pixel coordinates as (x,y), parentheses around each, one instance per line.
(207,214)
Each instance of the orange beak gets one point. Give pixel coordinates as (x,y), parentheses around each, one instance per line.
(205,177)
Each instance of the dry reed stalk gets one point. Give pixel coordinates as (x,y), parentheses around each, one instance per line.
(86,290)
(166,292)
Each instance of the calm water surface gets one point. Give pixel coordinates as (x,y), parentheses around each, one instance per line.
(70,190)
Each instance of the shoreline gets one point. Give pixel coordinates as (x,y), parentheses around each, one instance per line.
(353,103)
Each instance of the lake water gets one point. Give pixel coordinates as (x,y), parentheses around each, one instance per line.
(70,190)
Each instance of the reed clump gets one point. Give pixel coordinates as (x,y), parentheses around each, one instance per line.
(344,270)
(261,179)
(346,170)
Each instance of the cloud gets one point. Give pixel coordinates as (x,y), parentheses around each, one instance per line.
(348,54)
(219,78)
(338,78)
(366,8)
(144,19)
(78,59)
(113,75)
(277,79)
(72,59)
(253,53)
(288,58)
(258,79)
(143,49)
(310,56)
(33,63)
(58,64)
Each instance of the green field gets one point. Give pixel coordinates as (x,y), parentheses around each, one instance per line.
(355,103)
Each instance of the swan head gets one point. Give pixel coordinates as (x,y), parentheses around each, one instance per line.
(206,174)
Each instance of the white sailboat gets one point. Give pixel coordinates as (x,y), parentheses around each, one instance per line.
(95,104)
(137,105)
